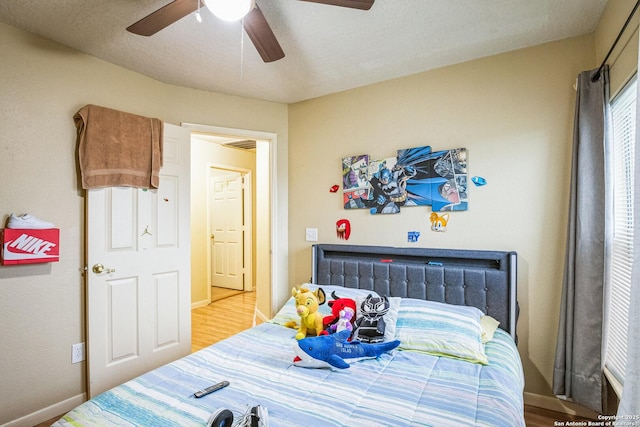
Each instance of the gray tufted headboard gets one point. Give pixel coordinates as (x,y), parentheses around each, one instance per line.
(483,279)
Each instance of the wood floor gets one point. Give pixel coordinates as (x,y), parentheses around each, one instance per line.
(538,417)
(231,315)
(218,293)
(221,319)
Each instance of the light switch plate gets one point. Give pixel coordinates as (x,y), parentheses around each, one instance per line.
(311,234)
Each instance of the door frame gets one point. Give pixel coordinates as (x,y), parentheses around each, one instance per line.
(269,294)
(247,212)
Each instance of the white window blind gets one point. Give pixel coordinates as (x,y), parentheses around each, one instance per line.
(623,110)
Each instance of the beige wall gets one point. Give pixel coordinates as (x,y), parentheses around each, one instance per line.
(42,306)
(623,60)
(514,114)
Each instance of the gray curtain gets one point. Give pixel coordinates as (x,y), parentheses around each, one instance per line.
(630,401)
(578,365)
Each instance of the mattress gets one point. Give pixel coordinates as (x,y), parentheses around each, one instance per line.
(403,387)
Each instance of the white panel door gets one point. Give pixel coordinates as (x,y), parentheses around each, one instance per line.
(138,272)
(227,230)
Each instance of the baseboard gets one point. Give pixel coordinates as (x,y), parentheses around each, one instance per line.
(260,315)
(552,403)
(199,304)
(48,412)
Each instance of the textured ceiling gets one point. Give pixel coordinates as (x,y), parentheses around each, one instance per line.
(328,49)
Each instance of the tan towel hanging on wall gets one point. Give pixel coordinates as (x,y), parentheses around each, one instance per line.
(118,149)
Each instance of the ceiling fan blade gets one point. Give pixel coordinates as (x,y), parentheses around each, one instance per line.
(260,33)
(353,4)
(163,17)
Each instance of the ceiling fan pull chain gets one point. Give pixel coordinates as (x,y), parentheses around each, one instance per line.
(198,16)
(242,49)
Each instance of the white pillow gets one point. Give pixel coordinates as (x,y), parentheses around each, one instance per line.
(441,329)
(489,326)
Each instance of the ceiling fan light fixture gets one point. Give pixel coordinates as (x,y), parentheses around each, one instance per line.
(230,10)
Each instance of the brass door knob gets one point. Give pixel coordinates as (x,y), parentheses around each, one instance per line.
(99,269)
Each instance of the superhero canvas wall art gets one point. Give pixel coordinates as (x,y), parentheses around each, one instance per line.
(415,177)
(355,181)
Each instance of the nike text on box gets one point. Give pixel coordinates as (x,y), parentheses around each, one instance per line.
(29,246)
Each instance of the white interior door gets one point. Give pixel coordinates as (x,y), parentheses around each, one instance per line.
(138,272)
(227,230)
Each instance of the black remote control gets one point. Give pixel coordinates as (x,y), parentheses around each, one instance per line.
(211,389)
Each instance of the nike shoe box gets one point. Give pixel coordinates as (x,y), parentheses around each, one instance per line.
(29,246)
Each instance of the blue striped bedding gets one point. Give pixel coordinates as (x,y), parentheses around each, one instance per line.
(401,388)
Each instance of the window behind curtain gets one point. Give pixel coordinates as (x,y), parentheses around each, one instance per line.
(623,110)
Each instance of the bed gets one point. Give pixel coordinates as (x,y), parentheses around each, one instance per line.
(454,313)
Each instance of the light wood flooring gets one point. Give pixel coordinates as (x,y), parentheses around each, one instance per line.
(221,319)
(218,293)
(233,314)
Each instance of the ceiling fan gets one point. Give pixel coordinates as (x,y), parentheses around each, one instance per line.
(254,23)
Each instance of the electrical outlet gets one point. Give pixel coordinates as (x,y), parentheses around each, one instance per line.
(77,353)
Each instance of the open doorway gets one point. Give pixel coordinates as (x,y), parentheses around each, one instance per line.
(267,244)
(222,253)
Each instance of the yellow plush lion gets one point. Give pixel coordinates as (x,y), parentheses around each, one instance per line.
(307,304)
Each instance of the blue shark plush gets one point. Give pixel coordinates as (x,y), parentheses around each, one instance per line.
(334,350)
